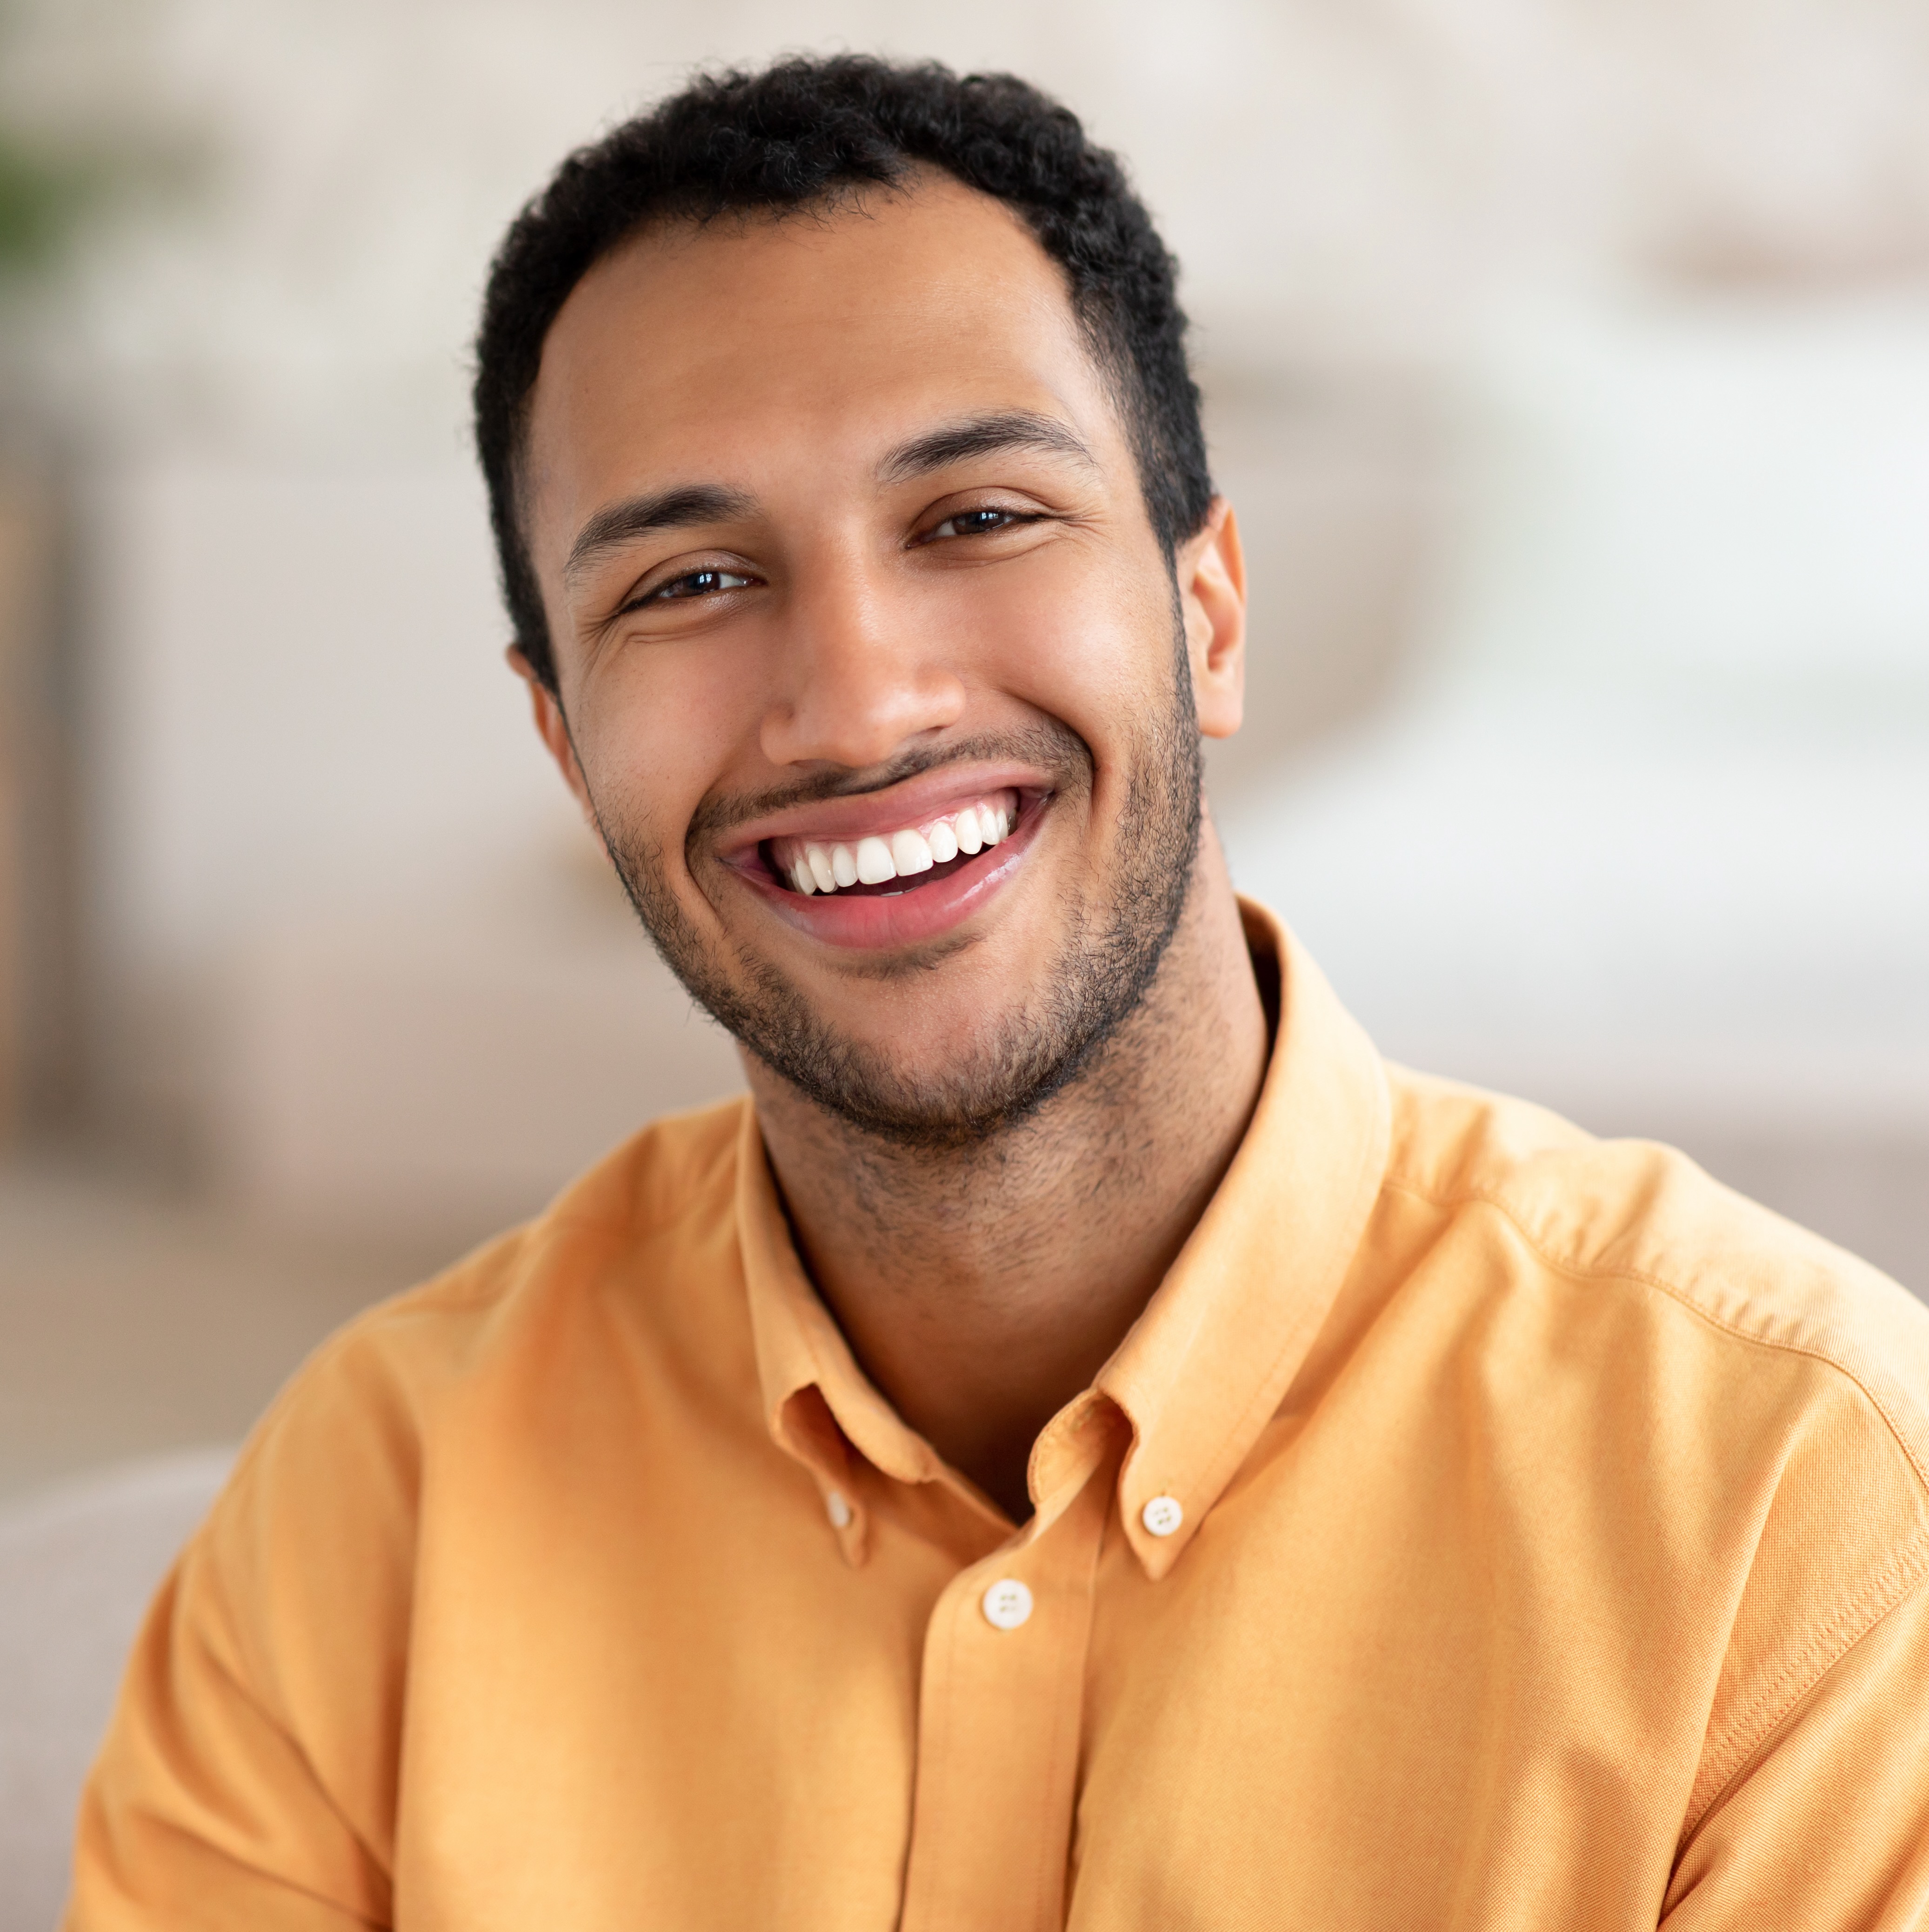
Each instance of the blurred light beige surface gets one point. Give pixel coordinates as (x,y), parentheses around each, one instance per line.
(77,1565)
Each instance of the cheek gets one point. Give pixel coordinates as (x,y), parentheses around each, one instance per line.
(1096,651)
(657,734)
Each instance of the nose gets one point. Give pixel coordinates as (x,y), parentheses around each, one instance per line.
(862,676)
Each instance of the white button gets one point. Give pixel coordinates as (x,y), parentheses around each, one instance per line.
(837,1509)
(1007,1604)
(1162,1515)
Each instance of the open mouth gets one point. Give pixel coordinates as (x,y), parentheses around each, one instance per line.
(889,864)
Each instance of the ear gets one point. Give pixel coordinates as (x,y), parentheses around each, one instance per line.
(552,728)
(1210,568)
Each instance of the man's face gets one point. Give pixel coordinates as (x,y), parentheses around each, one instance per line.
(876,678)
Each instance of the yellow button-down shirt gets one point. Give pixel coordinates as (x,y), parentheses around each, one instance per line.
(1482,1526)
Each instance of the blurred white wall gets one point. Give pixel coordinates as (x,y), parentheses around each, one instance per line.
(1407,226)
(1651,824)
(299,690)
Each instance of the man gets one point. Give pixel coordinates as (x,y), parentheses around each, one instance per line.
(1086,1442)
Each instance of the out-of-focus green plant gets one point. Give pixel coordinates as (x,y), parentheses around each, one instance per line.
(61,173)
(84,154)
(43,200)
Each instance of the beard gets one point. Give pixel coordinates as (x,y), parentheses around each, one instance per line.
(1108,955)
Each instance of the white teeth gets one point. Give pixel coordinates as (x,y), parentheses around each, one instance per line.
(874,865)
(877,860)
(909,853)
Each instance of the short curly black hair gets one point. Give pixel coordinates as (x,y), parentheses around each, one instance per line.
(789,135)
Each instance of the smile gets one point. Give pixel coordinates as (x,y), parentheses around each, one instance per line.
(877,872)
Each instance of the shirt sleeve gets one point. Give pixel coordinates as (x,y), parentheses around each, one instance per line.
(1827,1826)
(248,1775)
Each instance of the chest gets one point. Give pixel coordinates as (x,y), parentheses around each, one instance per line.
(1338,1708)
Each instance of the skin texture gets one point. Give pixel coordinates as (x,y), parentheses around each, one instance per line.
(833,630)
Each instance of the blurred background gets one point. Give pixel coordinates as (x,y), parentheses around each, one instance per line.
(1568,363)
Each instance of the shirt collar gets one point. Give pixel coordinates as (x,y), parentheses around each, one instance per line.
(1205,1367)
(818,1404)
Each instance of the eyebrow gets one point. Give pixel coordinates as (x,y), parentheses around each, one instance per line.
(639,516)
(993,435)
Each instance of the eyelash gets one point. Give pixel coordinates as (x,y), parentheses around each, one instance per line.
(1007,519)
(661,593)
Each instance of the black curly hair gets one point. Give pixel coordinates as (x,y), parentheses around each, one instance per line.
(790,135)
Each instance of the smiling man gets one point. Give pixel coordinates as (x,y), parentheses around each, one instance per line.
(1085,1442)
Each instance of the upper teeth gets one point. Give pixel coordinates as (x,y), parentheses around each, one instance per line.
(812,867)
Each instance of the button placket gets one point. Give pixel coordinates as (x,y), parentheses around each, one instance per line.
(1001,1706)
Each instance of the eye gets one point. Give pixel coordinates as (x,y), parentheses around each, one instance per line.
(976,523)
(695,583)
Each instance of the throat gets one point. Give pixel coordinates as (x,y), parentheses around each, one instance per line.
(981,1286)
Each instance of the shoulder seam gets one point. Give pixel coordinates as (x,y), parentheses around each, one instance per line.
(1852,1622)
(1854,1618)
(1584,1272)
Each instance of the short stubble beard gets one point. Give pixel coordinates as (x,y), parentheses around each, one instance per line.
(1106,964)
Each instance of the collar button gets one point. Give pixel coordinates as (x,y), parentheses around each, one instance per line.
(1162,1515)
(1007,1604)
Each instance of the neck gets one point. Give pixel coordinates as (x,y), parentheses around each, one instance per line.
(982,1289)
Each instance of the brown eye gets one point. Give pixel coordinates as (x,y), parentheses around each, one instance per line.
(976,523)
(697,583)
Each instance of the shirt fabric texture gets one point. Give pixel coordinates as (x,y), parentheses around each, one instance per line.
(1552,1528)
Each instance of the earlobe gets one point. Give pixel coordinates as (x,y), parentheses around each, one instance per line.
(552,728)
(1212,578)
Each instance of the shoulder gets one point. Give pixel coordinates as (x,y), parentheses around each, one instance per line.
(1736,1392)
(1642,1224)
(289,1614)
(630,1255)
(665,1194)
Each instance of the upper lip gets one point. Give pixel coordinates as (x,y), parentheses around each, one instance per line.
(916,802)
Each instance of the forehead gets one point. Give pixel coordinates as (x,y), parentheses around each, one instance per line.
(829,332)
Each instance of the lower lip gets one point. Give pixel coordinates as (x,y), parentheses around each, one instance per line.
(878,922)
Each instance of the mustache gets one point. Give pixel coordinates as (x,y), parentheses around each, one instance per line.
(1047,745)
